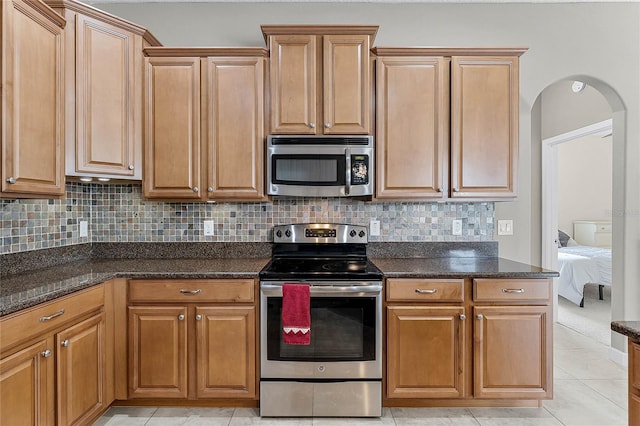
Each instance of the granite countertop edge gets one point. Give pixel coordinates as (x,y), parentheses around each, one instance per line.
(28,289)
(631,329)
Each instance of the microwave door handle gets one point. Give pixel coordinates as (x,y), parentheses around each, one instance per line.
(347,154)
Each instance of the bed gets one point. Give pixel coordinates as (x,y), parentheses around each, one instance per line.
(579,265)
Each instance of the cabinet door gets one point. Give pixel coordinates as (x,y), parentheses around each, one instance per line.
(172,128)
(412,107)
(226,352)
(157,352)
(513,352)
(26,385)
(484,126)
(234,139)
(425,352)
(294,79)
(346,84)
(32,102)
(108,70)
(81,369)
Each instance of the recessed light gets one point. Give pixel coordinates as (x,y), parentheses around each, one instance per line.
(104,179)
(578,86)
(86,179)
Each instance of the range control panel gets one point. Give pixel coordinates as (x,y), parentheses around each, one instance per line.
(323,233)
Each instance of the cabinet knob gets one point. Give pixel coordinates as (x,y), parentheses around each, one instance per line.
(210,189)
(195,189)
(46,353)
(463,317)
(198,317)
(11,180)
(312,125)
(131,167)
(480,316)
(181,317)
(65,343)
(441,189)
(327,125)
(455,189)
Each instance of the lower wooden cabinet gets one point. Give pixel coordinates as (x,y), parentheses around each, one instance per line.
(194,350)
(634,383)
(58,374)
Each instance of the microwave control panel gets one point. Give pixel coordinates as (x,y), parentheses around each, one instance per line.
(359,169)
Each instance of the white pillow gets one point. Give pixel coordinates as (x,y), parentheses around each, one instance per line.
(571,242)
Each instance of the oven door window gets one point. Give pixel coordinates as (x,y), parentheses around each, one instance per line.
(305,169)
(342,329)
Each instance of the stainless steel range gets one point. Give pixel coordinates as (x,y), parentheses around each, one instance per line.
(340,372)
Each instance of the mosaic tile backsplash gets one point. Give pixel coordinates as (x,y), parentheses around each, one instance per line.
(117,213)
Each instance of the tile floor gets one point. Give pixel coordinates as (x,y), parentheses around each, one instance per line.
(589,390)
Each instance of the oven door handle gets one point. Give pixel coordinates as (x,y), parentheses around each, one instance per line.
(318,290)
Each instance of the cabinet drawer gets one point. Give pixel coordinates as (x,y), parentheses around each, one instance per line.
(427,290)
(31,322)
(511,290)
(224,290)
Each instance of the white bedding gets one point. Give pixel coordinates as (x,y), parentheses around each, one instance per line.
(580,265)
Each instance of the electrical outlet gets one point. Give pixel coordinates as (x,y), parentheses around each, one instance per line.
(84,228)
(505,227)
(456,228)
(208,228)
(374,228)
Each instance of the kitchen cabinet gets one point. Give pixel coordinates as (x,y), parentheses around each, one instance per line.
(513,355)
(426,338)
(54,363)
(32,105)
(634,383)
(204,124)
(320,78)
(447,123)
(103,71)
(192,339)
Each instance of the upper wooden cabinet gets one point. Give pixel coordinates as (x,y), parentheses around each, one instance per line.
(104,92)
(204,137)
(441,137)
(32,104)
(320,78)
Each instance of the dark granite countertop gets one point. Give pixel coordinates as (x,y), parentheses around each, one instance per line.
(631,329)
(459,267)
(27,289)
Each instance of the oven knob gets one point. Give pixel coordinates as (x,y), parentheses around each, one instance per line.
(279,233)
(287,233)
(361,234)
(352,233)
(321,368)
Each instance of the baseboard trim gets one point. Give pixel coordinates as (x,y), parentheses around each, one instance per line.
(619,357)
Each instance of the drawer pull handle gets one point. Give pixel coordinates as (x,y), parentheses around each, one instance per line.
(479,316)
(181,317)
(65,343)
(198,317)
(50,317)
(463,317)
(427,291)
(46,353)
(513,290)
(185,291)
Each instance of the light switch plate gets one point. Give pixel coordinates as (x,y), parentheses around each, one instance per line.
(208,228)
(505,227)
(84,228)
(456,228)
(374,228)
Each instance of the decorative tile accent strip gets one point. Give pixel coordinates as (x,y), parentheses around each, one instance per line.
(117,213)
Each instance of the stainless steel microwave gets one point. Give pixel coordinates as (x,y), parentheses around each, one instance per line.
(320,166)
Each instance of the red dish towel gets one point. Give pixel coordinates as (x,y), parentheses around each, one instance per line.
(296,314)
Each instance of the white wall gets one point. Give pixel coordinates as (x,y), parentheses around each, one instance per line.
(584,181)
(596,42)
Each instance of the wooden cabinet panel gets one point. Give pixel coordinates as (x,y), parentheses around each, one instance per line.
(293,76)
(634,366)
(172,128)
(425,290)
(412,108)
(81,381)
(234,140)
(346,84)
(484,126)
(513,352)
(634,410)
(425,352)
(32,101)
(26,385)
(108,109)
(184,291)
(157,352)
(226,352)
(512,290)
